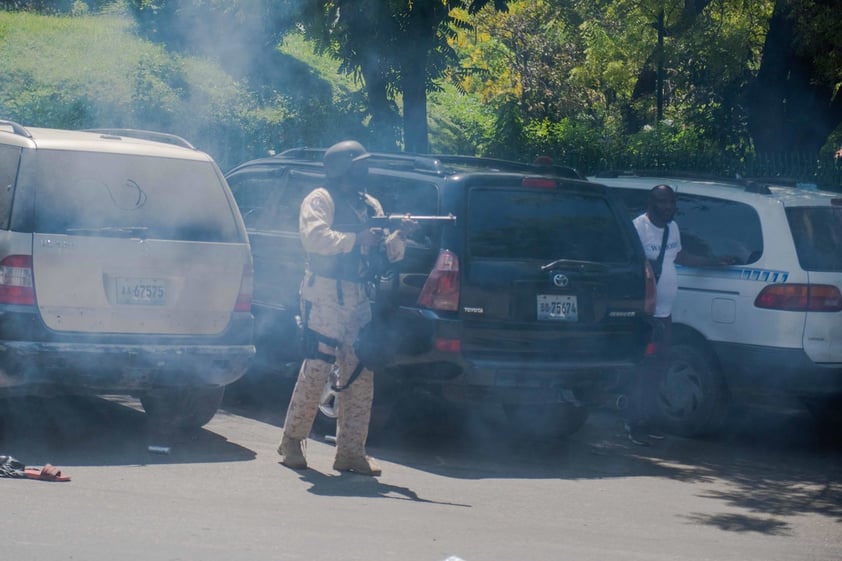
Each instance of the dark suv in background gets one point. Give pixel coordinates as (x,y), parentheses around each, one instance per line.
(534,298)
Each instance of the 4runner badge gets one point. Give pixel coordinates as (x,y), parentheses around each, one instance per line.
(560,280)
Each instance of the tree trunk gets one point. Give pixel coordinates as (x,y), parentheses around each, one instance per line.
(420,38)
(787,111)
(383,120)
(415,110)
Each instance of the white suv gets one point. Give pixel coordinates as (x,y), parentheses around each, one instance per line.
(125,267)
(772,323)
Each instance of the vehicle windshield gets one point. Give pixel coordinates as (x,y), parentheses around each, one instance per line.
(817,232)
(544,225)
(130,196)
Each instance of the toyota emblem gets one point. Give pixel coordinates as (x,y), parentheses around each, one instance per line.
(560,280)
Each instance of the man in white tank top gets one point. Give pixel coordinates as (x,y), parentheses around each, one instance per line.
(663,252)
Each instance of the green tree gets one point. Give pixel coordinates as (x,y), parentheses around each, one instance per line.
(795,103)
(399,48)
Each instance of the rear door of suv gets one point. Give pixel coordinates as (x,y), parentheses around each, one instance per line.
(817,233)
(551,271)
(131,245)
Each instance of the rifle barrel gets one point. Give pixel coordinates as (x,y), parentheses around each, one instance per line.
(420,218)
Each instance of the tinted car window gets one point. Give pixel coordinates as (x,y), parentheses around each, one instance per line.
(709,226)
(9,156)
(544,225)
(252,192)
(271,200)
(817,232)
(399,195)
(115,194)
(716,227)
(288,205)
(633,199)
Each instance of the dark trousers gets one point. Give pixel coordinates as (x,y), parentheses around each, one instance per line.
(643,391)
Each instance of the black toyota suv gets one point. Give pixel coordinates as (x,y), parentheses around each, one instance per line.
(535,297)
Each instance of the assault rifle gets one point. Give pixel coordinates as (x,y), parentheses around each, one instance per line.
(395,219)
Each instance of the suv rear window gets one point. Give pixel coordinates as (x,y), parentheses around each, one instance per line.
(544,225)
(709,226)
(91,193)
(817,232)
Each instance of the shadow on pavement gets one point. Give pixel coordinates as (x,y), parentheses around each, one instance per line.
(352,485)
(111,430)
(771,462)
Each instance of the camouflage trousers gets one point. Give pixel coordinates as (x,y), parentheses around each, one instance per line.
(340,319)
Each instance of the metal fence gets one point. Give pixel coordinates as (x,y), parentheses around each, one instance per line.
(805,170)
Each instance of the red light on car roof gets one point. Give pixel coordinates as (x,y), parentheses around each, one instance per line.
(539,183)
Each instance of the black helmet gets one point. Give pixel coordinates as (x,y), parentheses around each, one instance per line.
(341,156)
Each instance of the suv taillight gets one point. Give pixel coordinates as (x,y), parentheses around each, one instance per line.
(800,298)
(246,290)
(16,285)
(651,287)
(441,291)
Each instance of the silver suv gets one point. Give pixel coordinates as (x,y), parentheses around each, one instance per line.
(124,268)
(771,324)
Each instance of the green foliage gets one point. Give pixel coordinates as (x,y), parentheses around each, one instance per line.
(818,35)
(326,105)
(93,71)
(564,79)
(569,141)
(576,80)
(459,123)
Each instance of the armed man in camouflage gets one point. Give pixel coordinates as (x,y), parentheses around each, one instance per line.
(335,306)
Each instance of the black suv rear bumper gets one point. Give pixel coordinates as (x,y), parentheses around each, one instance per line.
(497,376)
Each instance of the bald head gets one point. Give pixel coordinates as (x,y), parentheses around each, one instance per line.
(661,205)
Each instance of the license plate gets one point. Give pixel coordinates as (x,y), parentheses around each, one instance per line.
(558,307)
(148,292)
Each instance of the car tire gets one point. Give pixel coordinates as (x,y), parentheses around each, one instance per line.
(692,400)
(551,420)
(182,409)
(827,412)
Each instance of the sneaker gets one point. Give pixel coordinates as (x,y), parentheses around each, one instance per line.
(635,436)
(649,430)
(654,434)
(364,465)
(292,453)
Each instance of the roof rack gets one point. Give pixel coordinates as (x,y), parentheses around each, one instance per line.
(436,163)
(146,135)
(496,164)
(755,186)
(750,184)
(16,128)
(306,154)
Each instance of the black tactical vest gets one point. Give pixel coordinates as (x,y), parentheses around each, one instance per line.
(351,212)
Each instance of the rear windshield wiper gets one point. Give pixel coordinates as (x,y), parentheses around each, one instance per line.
(111,230)
(577,264)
